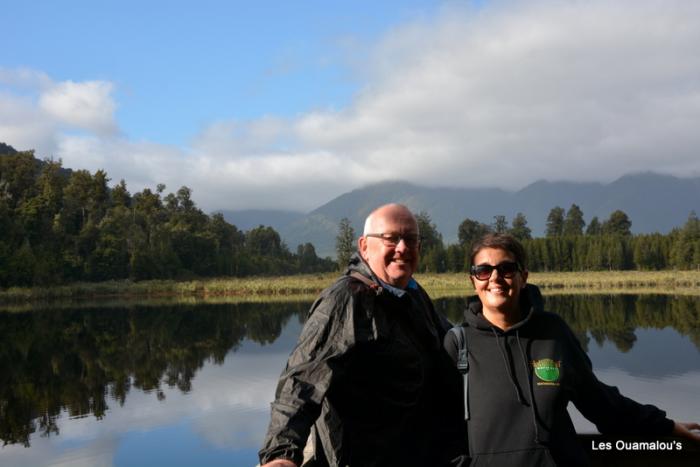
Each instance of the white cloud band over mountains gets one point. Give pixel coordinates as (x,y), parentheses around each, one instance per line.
(501,95)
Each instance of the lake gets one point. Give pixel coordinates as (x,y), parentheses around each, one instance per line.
(191,384)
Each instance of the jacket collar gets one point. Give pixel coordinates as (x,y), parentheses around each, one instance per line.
(359,265)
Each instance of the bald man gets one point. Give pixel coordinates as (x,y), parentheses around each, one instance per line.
(369,373)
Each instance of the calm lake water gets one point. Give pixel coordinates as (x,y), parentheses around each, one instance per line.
(191,385)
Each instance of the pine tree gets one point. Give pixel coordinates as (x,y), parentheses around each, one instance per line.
(519,228)
(500,224)
(432,256)
(594,227)
(574,223)
(430,237)
(455,256)
(344,243)
(617,224)
(555,222)
(684,245)
(469,231)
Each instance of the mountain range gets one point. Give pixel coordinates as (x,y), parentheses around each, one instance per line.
(653,202)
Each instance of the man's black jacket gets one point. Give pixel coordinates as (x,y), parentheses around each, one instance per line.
(370,373)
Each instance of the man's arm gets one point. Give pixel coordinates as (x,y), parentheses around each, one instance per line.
(311,368)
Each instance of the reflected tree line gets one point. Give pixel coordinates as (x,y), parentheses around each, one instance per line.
(75,361)
(78,361)
(612,318)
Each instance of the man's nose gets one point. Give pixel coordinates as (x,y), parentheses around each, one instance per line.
(401,246)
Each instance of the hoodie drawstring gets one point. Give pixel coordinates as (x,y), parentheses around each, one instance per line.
(529,386)
(509,369)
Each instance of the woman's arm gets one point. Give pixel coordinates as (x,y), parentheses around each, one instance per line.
(687,430)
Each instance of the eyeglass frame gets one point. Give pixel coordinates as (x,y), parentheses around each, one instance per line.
(387,241)
(498,268)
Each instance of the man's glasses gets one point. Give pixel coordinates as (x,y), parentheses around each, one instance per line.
(506,269)
(392,240)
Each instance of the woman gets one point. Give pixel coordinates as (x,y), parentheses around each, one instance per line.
(525,365)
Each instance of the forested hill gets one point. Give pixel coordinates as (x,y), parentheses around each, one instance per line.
(59,226)
(7,149)
(653,202)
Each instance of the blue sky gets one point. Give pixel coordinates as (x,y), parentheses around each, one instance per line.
(178,65)
(273,104)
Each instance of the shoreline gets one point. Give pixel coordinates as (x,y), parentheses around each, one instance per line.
(306,287)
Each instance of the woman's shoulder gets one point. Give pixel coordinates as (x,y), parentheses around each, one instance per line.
(550,317)
(551,323)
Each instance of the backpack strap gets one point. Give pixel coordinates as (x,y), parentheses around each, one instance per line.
(463,362)
(367,281)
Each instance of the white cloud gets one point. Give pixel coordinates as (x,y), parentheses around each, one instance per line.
(24,126)
(498,96)
(87,105)
(506,95)
(46,451)
(528,90)
(141,164)
(38,113)
(24,78)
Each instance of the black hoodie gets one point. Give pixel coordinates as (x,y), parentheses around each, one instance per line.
(539,358)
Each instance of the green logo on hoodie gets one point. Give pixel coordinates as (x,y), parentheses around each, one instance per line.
(547,369)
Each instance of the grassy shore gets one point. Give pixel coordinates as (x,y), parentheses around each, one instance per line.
(234,288)
(305,287)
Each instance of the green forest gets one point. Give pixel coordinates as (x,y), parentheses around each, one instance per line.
(570,245)
(60,226)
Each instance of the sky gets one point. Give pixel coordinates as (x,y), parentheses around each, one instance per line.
(285,105)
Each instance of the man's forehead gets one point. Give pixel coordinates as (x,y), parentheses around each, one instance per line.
(397,221)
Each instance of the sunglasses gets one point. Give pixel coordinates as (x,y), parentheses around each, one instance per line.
(506,269)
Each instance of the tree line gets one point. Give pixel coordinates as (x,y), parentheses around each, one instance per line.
(568,245)
(60,226)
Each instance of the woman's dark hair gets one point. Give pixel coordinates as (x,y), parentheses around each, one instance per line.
(502,242)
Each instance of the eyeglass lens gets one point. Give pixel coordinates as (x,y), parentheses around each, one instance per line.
(409,240)
(392,240)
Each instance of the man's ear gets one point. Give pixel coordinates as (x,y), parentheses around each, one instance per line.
(362,247)
(524,276)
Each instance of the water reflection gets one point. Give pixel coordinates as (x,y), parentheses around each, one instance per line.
(613,318)
(55,361)
(118,383)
